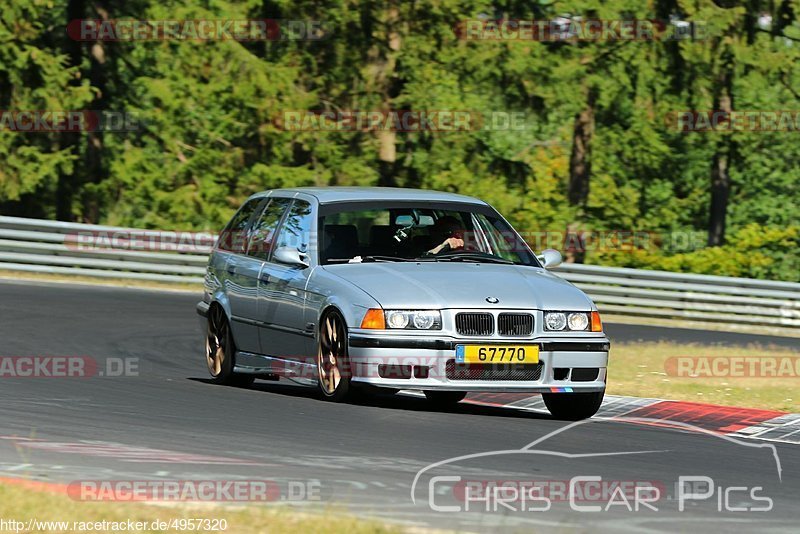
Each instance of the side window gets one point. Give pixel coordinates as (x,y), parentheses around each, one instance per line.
(234,237)
(262,238)
(296,230)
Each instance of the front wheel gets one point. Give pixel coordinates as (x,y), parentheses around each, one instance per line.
(445,398)
(333,365)
(573,406)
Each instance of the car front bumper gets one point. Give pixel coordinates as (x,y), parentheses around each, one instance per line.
(565,364)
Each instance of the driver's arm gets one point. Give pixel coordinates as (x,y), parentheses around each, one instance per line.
(452,242)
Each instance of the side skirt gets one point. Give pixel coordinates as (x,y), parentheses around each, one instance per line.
(258,364)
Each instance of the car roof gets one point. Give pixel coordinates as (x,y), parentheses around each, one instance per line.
(332,194)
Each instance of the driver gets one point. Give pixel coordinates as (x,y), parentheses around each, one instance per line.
(450,230)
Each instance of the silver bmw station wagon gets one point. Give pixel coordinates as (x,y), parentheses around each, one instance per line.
(348,287)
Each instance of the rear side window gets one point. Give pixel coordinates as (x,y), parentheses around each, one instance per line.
(262,238)
(296,231)
(234,237)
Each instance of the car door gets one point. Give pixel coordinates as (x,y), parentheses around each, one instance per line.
(246,270)
(259,249)
(282,290)
(238,274)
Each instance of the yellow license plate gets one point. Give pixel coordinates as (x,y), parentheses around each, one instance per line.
(497,354)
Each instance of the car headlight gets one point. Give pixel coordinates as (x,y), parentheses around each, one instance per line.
(414,319)
(555,321)
(576,321)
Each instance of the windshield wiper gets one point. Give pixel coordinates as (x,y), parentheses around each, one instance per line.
(366,259)
(474,256)
(462,256)
(378,257)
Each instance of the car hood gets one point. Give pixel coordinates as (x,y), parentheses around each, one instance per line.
(462,285)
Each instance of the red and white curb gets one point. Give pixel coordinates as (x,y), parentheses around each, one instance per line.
(767,425)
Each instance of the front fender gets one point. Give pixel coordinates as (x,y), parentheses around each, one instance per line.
(334,291)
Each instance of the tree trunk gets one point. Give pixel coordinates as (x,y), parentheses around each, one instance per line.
(580,161)
(95,170)
(387,157)
(65,188)
(384,68)
(720,165)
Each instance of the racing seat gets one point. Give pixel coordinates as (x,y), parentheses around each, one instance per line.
(341,241)
(381,240)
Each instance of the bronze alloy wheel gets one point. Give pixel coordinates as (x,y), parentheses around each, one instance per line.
(220,350)
(216,341)
(332,361)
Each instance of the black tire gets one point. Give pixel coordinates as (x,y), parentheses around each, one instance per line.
(220,351)
(445,398)
(573,406)
(333,363)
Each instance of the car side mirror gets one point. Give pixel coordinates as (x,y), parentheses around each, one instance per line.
(290,256)
(550,258)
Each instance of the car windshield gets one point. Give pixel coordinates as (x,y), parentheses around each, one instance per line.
(435,232)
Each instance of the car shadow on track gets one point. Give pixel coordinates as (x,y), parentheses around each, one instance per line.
(377,399)
(402,401)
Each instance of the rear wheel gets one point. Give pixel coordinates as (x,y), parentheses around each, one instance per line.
(573,406)
(445,398)
(333,365)
(220,350)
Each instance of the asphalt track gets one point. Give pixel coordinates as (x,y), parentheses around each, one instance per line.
(170,423)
